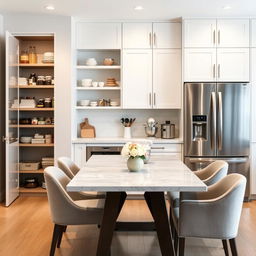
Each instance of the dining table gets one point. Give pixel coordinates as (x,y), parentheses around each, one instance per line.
(109,174)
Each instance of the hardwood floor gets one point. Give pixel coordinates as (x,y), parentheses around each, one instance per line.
(26,230)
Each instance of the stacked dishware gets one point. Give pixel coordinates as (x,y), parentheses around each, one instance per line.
(48,57)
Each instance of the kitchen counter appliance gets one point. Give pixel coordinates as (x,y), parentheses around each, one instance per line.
(217,126)
(167,130)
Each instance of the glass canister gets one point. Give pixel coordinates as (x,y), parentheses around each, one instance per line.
(24,57)
(48,102)
(34,121)
(40,80)
(48,80)
(32,55)
(40,103)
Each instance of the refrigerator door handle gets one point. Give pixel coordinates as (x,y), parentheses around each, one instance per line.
(229,160)
(220,121)
(213,120)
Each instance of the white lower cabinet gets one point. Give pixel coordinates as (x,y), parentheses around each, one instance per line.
(200,65)
(253,169)
(167,85)
(79,154)
(137,79)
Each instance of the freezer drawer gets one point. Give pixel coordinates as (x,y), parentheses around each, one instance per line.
(236,165)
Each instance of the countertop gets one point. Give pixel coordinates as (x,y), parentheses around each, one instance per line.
(120,140)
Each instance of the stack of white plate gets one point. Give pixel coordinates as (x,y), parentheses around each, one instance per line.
(48,57)
(83,103)
(114,103)
(93,103)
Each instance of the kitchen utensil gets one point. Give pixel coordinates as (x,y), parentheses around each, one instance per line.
(151,130)
(87,130)
(167,130)
(91,62)
(127,122)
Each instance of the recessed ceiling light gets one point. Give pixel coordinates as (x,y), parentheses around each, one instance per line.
(49,7)
(138,8)
(227,7)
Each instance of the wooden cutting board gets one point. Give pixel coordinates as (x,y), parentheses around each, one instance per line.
(87,130)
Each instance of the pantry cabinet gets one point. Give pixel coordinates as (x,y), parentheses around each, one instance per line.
(98,35)
(167,85)
(137,78)
(200,64)
(216,33)
(162,35)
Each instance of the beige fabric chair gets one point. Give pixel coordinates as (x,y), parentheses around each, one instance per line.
(64,209)
(71,169)
(212,214)
(212,173)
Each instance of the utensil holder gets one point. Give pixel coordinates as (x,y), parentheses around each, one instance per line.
(127,132)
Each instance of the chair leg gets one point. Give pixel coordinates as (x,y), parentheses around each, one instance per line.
(56,233)
(225,247)
(65,229)
(176,241)
(171,223)
(60,235)
(233,247)
(181,246)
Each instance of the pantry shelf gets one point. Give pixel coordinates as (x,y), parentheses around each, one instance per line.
(34,87)
(32,190)
(99,67)
(33,171)
(39,65)
(36,145)
(32,109)
(85,108)
(31,126)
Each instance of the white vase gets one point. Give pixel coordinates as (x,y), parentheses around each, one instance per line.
(135,164)
(127,132)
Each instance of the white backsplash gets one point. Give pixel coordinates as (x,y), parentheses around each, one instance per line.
(107,122)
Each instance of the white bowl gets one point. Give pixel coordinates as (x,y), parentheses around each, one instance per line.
(101,84)
(25,139)
(83,102)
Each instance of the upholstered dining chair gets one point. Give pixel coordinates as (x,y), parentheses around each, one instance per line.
(71,169)
(213,214)
(67,208)
(212,173)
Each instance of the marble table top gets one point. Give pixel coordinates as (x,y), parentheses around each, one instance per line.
(110,173)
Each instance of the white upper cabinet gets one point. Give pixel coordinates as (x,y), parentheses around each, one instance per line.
(137,78)
(199,32)
(166,35)
(233,65)
(97,35)
(200,65)
(137,35)
(233,32)
(253,96)
(253,33)
(167,85)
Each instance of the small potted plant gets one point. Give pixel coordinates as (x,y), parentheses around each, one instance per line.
(136,154)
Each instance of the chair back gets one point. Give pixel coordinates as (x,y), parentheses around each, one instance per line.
(68,166)
(214,172)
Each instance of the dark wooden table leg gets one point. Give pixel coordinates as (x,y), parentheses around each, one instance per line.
(157,206)
(113,206)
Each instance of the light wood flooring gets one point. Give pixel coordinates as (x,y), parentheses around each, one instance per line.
(26,230)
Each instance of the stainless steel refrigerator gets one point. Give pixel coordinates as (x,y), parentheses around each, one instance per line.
(217,125)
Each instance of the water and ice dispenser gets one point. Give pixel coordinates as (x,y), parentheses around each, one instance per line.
(199,123)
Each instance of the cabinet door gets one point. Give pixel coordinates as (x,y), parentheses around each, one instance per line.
(200,65)
(233,65)
(166,35)
(253,33)
(233,32)
(253,95)
(199,33)
(137,78)
(137,35)
(253,169)
(167,84)
(79,154)
(98,35)
(11,133)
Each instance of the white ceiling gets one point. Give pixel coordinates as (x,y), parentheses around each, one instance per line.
(124,9)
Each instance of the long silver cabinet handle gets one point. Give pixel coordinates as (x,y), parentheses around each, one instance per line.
(157,147)
(218,70)
(154,98)
(214,36)
(150,99)
(213,120)
(154,39)
(220,120)
(229,160)
(218,36)
(214,70)
(150,39)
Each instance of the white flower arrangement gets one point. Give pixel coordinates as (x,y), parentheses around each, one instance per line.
(134,150)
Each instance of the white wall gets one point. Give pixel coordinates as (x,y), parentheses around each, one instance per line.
(2,110)
(61,26)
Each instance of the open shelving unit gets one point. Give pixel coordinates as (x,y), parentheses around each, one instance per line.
(35,152)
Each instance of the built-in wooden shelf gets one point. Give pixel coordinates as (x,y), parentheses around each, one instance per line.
(33,171)
(85,108)
(99,67)
(32,126)
(32,190)
(36,145)
(33,86)
(98,88)
(32,109)
(38,65)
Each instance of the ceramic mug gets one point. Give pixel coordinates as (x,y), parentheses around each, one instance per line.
(94,84)
(101,84)
(86,82)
